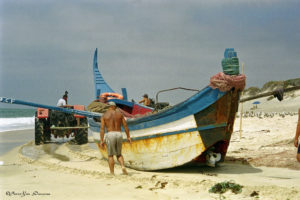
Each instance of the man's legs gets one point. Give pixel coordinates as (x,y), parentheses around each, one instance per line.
(121,161)
(111,164)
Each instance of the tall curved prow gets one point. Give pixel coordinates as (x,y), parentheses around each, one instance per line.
(100,85)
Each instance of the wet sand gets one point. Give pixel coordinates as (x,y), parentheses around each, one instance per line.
(11,139)
(262,161)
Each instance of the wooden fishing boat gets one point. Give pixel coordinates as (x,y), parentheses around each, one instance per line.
(187,132)
(180,134)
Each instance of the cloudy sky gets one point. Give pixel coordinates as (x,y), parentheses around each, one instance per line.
(46,47)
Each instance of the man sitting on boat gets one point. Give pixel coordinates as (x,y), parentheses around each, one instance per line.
(145,100)
(103,99)
(112,121)
(296,140)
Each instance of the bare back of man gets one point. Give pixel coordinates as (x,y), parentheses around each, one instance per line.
(112,120)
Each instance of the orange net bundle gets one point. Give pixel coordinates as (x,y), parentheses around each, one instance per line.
(225,82)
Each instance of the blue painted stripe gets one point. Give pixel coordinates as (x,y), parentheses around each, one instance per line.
(191,106)
(178,132)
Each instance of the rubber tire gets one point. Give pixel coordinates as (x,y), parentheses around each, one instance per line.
(81,136)
(60,116)
(47,132)
(38,131)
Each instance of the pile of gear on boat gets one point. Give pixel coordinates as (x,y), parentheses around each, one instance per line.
(100,105)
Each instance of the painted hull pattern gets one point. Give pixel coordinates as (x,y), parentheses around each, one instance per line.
(181,134)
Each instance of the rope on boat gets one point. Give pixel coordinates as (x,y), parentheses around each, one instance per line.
(225,82)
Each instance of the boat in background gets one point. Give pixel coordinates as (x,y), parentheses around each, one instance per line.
(196,130)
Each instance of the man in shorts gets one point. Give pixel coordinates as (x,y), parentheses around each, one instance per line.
(112,121)
(296,140)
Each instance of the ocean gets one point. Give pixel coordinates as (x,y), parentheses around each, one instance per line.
(16,119)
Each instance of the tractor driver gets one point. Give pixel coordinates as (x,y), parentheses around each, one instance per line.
(62,102)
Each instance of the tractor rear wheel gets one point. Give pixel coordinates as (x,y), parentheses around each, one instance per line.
(38,131)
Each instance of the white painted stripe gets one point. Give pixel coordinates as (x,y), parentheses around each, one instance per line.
(181,124)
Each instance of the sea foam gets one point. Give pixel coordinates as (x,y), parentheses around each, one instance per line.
(19,123)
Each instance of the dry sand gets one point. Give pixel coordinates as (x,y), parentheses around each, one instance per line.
(262,159)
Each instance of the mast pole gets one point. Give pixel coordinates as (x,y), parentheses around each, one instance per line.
(242,105)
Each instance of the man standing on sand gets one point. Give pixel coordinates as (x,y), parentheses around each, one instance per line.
(112,121)
(296,140)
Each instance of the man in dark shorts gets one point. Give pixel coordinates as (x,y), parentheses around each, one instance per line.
(112,121)
(296,140)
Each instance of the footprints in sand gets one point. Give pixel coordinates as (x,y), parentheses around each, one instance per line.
(159,185)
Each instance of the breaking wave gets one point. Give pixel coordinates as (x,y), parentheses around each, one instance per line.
(19,123)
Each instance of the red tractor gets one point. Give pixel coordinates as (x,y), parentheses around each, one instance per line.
(61,125)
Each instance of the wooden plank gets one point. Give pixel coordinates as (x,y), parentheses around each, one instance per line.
(68,127)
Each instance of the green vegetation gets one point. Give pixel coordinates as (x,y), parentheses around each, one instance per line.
(292,82)
(252,91)
(223,187)
(273,85)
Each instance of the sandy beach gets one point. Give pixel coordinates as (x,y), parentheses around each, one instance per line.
(261,158)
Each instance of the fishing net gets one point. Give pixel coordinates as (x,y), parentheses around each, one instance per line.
(97,107)
(225,82)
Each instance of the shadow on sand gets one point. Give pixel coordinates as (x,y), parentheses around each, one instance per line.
(222,168)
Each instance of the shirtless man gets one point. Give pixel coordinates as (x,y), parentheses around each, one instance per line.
(112,121)
(145,100)
(296,140)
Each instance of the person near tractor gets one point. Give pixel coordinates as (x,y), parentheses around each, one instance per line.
(63,102)
(112,121)
(296,140)
(145,100)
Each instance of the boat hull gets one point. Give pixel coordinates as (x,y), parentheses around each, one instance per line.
(182,139)
(161,152)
